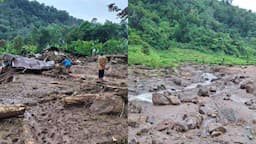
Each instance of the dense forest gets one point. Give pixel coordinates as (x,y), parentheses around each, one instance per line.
(210,26)
(29,27)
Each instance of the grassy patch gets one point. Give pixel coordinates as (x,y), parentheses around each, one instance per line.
(172,57)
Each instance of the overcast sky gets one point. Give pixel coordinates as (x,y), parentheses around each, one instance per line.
(247,4)
(88,9)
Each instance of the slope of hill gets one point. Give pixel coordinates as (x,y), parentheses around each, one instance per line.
(19,17)
(29,27)
(209,26)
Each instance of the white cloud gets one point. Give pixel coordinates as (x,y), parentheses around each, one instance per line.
(246,4)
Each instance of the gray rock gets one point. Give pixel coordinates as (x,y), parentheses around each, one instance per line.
(204,92)
(160,99)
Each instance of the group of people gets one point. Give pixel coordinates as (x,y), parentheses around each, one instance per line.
(102,61)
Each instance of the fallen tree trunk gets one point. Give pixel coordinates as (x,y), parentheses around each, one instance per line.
(84,100)
(7,110)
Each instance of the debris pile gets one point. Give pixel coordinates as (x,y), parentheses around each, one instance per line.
(41,101)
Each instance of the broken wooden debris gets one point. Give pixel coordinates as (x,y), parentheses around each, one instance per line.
(11,110)
(20,62)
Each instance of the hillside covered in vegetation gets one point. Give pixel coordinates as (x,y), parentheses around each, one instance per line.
(207,26)
(29,27)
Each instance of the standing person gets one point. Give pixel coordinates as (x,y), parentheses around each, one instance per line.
(102,61)
(67,63)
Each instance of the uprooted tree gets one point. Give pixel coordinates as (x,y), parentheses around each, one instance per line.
(121,13)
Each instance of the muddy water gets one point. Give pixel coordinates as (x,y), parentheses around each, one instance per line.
(205,80)
(228,102)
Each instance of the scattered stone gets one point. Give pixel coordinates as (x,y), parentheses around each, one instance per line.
(248,103)
(165,124)
(190,99)
(134,107)
(216,129)
(180,126)
(193,120)
(203,92)
(252,107)
(248,86)
(142,131)
(236,80)
(226,98)
(207,110)
(134,120)
(254,121)
(177,81)
(213,89)
(160,99)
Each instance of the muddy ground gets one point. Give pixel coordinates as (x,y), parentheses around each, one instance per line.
(192,104)
(46,119)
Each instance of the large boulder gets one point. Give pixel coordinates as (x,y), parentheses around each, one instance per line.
(107,104)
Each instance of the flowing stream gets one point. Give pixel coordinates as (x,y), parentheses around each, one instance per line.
(205,79)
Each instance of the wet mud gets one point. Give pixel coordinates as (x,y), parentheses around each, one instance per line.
(48,121)
(195,104)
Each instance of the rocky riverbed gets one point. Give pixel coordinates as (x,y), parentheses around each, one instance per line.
(195,104)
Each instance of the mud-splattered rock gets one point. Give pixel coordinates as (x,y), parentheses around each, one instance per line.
(134,107)
(165,124)
(157,88)
(213,89)
(193,120)
(252,107)
(216,129)
(207,110)
(174,100)
(249,103)
(248,86)
(160,99)
(177,81)
(190,99)
(180,126)
(107,105)
(204,92)
(226,98)
(134,120)
(236,80)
